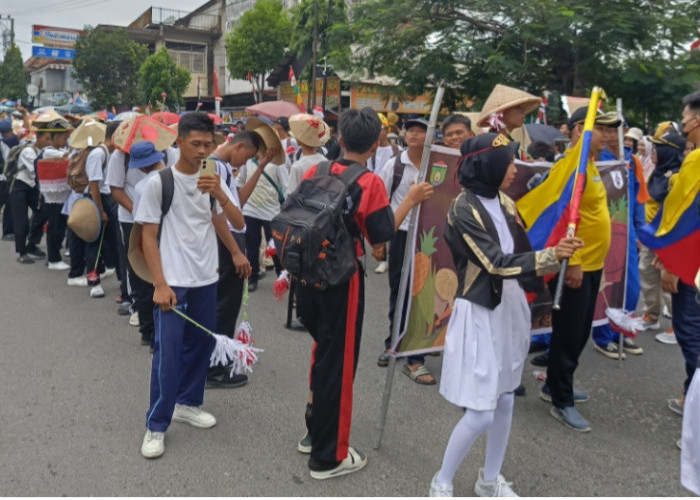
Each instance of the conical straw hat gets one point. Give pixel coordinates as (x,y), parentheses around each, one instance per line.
(309,129)
(89,133)
(503,97)
(269,138)
(135,254)
(85,220)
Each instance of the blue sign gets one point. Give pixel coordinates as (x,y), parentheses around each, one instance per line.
(53,53)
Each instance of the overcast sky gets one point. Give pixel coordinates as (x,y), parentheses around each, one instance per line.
(78,13)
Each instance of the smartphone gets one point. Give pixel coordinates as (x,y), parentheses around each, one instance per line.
(208,167)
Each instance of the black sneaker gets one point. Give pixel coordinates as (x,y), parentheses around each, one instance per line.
(252,286)
(541,359)
(226,381)
(124,308)
(36,253)
(25,259)
(8,237)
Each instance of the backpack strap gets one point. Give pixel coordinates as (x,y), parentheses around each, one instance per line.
(353,173)
(228,172)
(104,163)
(399,167)
(167,181)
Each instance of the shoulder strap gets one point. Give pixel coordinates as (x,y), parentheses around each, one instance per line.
(398,175)
(106,151)
(228,172)
(168,186)
(353,173)
(323,168)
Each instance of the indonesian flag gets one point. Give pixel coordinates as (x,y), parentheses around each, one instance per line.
(199,92)
(542,112)
(695,45)
(217,95)
(249,77)
(295,86)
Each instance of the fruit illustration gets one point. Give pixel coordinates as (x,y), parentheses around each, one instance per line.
(422,263)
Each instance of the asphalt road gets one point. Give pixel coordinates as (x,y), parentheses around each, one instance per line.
(74,393)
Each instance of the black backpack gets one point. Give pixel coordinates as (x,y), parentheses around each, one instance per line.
(310,233)
(12,167)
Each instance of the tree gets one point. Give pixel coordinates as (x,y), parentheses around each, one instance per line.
(107,65)
(558,45)
(258,41)
(159,74)
(13,84)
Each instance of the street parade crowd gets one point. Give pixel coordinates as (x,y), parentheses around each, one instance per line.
(185,212)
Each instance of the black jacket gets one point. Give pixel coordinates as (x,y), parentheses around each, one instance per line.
(481,264)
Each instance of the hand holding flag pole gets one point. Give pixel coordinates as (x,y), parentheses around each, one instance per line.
(579,184)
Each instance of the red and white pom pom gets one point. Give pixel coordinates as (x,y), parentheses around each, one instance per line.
(237,353)
(281,285)
(496,121)
(271,250)
(624,322)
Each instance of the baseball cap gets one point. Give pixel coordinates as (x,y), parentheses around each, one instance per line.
(416,121)
(579,116)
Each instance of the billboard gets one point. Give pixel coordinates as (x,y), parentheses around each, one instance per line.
(55,37)
(286,92)
(53,53)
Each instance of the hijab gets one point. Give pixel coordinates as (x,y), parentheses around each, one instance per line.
(669,157)
(484,163)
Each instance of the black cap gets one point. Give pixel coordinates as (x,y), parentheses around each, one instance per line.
(416,121)
(672,139)
(579,116)
(283,122)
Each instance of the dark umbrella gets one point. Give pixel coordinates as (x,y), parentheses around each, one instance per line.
(73,109)
(539,132)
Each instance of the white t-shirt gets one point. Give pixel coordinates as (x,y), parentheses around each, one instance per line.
(376,162)
(225,172)
(172,155)
(410,173)
(125,178)
(300,167)
(25,165)
(95,167)
(263,202)
(188,248)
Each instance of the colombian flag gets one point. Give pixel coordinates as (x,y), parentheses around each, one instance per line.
(674,234)
(545,209)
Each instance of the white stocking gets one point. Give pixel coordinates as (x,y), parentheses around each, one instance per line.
(472,425)
(497,436)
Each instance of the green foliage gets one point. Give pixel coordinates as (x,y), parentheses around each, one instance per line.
(258,41)
(107,65)
(556,45)
(159,74)
(331,40)
(13,84)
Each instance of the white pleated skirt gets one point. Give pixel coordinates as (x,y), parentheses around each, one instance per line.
(485,350)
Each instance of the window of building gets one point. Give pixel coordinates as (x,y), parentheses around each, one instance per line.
(190,56)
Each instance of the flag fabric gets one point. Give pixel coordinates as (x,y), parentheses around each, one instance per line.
(542,112)
(217,94)
(199,92)
(297,92)
(249,77)
(674,234)
(695,45)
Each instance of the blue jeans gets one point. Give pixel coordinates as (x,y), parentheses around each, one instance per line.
(686,325)
(181,354)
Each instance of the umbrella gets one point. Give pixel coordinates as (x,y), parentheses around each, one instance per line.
(216,118)
(166,117)
(89,133)
(125,115)
(273,109)
(143,128)
(103,115)
(46,117)
(74,109)
(539,132)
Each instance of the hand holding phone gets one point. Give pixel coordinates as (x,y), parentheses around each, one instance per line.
(208,167)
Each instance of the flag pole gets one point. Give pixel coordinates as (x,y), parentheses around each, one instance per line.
(406,270)
(577,192)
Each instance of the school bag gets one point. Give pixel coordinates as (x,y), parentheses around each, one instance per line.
(312,240)
(12,167)
(77,175)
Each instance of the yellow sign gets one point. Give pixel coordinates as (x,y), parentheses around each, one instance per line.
(379,98)
(332,92)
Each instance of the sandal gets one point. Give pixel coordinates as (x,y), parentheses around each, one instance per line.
(383,359)
(419,375)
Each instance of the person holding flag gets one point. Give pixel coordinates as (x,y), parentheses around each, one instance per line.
(546,210)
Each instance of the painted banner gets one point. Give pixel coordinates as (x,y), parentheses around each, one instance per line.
(434,281)
(286,92)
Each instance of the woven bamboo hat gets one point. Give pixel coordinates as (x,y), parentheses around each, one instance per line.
(503,97)
(269,138)
(85,220)
(135,254)
(309,129)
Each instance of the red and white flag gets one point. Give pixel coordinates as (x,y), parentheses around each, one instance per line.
(217,95)
(252,84)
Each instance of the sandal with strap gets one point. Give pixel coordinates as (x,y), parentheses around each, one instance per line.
(419,372)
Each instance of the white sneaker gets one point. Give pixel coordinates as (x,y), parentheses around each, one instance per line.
(496,488)
(439,490)
(134,319)
(153,445)
(58,266)
(666,337)
(109,271)
(77,281)
(193,415)
(382,267)
(96,292)
(666,313)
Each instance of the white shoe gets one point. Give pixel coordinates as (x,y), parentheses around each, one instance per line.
(439,490)
(496,488)
(109,271)
(77,281)
(382,267)
(134,319)
(153,445)
(96,292)
(66,253)
(194,416)
(58,266)
(666,338)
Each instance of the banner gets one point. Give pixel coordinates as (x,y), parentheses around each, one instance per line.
(434,281)
(287,92)
(55,37)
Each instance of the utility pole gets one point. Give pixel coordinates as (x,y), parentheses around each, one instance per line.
(7,26)
(325,58)
(312,86)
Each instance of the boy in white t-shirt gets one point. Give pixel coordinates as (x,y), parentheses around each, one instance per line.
(183,263)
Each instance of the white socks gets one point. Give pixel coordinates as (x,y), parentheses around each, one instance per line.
(474,423)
